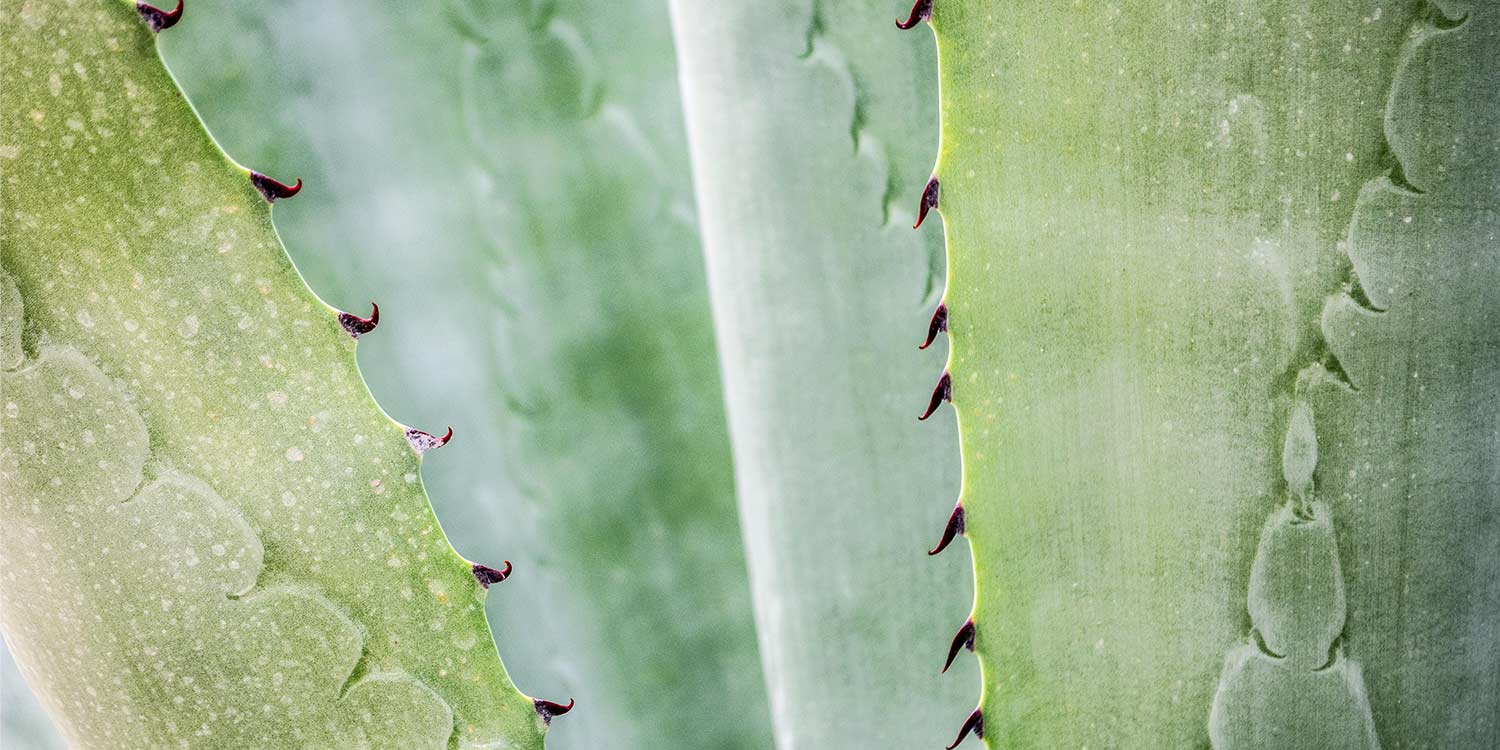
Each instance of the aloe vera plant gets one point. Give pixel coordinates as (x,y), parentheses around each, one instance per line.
(211,534)
(1224,356)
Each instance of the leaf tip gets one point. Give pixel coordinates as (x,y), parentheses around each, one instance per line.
(943,391)
(272,189)
(356,326)
(929,201)
(963,639)
(921,10)
(422,441)
(953,529)
(158,19)
(549,709)
(487,576)
(938,325)
(975,724)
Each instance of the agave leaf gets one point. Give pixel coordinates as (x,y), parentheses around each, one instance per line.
(510,182)
(1224,353)
(210,535)
(806,121)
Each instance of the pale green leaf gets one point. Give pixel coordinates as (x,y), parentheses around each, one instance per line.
(1225,345)
(812,129)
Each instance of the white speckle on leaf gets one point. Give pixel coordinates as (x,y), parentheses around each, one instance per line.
(294,454)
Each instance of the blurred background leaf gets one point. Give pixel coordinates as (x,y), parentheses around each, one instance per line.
(813,128)
(22,723)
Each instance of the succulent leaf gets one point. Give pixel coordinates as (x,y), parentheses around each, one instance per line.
(811,129)
(1224,325)
(210,535)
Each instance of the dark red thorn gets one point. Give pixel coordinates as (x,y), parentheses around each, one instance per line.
(964,639)
(954,528)
(159,19)
(942,392)
(548,709)
(975,724)
(929,201)
(488,576)
(421,442)
(356,326)
(939,324)
(920,11)
(273,189)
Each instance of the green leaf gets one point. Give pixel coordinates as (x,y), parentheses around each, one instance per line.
(1224,344)
(509,181)
(210,535)
(811,129)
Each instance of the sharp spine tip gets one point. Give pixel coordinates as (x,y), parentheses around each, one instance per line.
(942,392)
(929,201)
(952,530)
(488,576)
(938,325)
(356,326)
(975,724)
(921,10)
(548,709)
(272,189)
(156,18)
(964,639)
(422,441)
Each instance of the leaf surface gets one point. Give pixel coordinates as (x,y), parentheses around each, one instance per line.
(212,536)
(1224,353)
(509,181)
(811,130)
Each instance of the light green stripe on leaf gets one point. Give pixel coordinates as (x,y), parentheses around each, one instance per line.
(812,132)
